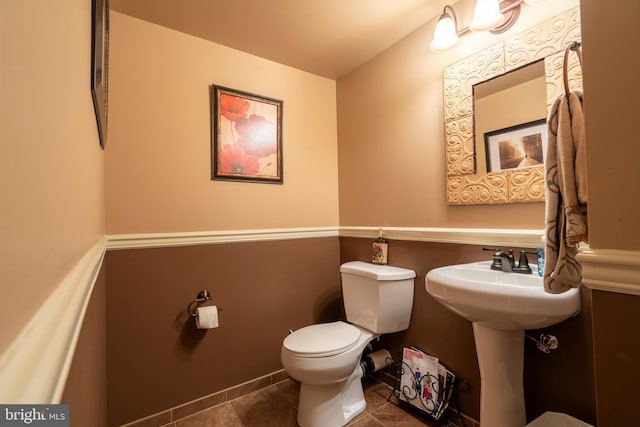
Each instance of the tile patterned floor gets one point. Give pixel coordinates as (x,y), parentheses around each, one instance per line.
(275,406)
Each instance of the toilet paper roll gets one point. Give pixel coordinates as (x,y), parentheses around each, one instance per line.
(380,359)
(207,317)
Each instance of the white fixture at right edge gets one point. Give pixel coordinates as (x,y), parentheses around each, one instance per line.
(501,306)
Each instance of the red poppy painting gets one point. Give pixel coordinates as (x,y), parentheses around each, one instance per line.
(246,136)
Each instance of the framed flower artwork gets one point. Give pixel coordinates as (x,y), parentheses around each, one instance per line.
(246,136)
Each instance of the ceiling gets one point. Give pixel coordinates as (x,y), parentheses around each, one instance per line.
(325,37)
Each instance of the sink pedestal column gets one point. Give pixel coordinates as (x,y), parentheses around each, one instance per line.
(501,361)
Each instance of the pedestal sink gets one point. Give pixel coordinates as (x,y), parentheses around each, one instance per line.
(501,306)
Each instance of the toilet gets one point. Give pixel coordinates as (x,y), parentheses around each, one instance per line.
(325,358)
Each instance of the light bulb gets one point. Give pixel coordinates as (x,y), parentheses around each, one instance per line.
(445,36)
(486,15)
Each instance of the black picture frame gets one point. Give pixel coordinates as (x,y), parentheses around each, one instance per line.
(516,147)
(246,134)
(100,65)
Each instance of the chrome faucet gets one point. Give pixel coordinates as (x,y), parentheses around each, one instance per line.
(505,261)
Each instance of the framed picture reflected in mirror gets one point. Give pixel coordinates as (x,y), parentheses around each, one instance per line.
(516,147)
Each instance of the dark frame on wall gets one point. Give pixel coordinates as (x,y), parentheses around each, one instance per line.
(516,147)
(100,65)
(246,132)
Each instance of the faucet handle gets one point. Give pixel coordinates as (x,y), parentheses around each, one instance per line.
(523,263)
(497,263)
(494,250)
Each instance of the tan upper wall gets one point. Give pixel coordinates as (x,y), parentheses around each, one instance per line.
(158,159)
(51,165)
(391,136)
(611,65)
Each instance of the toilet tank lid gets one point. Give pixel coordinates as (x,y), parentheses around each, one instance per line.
(377,271)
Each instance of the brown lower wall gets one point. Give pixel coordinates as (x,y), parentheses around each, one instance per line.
(617,356)
(564,379)
(86,388)
(157,358)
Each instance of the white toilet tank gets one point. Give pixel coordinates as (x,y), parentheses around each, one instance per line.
(377,297)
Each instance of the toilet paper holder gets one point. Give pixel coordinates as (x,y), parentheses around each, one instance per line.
(202,296)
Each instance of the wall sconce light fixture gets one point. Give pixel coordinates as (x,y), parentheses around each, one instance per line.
(493,15)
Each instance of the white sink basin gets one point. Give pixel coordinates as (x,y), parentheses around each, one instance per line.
(500,300)
(501,306)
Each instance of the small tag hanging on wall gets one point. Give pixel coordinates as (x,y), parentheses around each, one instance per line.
(380,247)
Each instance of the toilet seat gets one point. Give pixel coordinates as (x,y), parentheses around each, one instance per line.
(322,340)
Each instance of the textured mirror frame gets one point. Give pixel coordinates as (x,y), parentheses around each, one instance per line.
(546,40)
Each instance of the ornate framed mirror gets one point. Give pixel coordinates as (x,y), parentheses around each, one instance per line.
(467,184)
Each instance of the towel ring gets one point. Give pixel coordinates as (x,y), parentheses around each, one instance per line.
(200,298)
(575,47)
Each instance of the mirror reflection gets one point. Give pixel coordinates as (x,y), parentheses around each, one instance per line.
(508,113)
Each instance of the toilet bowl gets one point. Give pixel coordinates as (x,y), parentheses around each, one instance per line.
(325,358)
